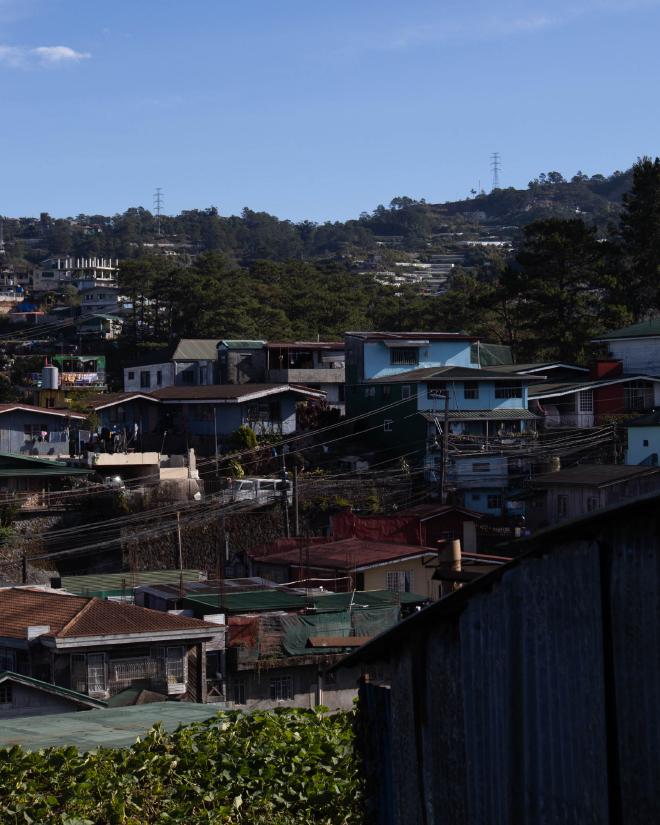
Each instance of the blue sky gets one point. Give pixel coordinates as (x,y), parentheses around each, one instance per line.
(310,108)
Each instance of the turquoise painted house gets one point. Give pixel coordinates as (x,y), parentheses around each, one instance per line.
(397,384)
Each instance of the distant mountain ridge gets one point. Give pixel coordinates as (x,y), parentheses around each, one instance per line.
(416,225)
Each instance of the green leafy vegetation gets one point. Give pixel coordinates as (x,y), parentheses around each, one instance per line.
(286,767)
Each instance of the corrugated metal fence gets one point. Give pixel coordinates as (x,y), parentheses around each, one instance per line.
(537,702)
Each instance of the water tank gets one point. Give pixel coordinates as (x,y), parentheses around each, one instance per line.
(50,378)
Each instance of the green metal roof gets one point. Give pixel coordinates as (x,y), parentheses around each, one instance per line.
(114,584)
(641,330)
(247,602)
(65,693)
(56,470)
(255,601)
(237,344)
(191,349)
(109,728)
(30,465)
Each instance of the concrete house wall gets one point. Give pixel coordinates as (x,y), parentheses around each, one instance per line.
(643,443)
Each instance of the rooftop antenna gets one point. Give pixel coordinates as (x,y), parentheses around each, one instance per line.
(495,165)
(159,199)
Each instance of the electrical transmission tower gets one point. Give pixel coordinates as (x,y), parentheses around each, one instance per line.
(495,165)
(159,199)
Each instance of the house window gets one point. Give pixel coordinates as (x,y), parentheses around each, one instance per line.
(145,379)
(263,411)
(175,670)
(476,497)
(406,391)
(238,692)
(5,694)
(494,502)
(159,377)
(562,505)
(471,390)
(407,356)
(7,659)
(116,415)
(386,391)
(387,425)
(281,688)
(36,432)
(131,376)
(513,391)
(592,504)
(586,401)
(637,395)
(480,467)
(202,375)
(400,581)
(369,392)
(436,389)
(645,443)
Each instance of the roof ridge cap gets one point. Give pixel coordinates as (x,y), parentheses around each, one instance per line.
(83,610)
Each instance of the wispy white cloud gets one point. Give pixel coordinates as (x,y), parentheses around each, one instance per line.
(517,20)
(23,57)
(60,54)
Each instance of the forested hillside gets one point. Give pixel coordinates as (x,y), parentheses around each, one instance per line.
(256,235)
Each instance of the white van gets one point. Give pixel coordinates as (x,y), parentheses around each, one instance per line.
(262,490)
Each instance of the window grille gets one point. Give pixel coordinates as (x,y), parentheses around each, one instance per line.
(400,581)
(407,356)
(281,688)
(238,690)
(514,391)
(406,391)
(471,390)
(436,389)
(480,467)
(7,659)
(586,401)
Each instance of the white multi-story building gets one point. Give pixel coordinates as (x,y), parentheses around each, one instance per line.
(54,273)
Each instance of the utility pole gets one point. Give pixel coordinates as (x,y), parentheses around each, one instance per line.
(445,450)
(24,569)
(296,514)
(285,493)
(178,540)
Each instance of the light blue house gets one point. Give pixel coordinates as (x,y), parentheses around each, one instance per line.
(398,387)
(30,430)
(644,440)
(203,417)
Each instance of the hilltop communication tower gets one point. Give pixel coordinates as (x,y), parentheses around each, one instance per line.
(495,165)
(159,199)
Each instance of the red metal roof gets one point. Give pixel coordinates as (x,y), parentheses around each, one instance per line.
(348,554)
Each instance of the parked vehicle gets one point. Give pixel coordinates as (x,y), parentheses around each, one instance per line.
(262,490)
